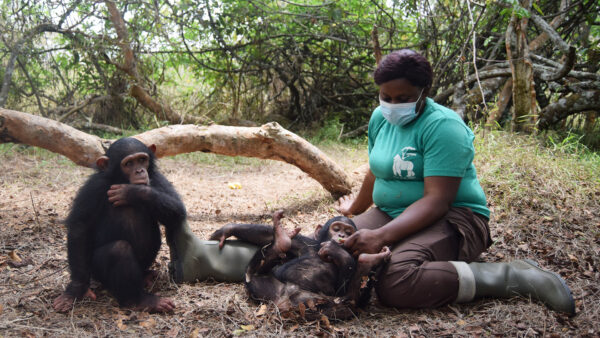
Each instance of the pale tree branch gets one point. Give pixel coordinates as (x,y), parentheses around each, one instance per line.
(269,141)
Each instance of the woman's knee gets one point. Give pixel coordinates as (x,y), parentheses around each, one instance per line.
(395,288)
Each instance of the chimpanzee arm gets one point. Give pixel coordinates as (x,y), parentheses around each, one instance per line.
(332,252)
(85,214)
(79,251)
(159,198)
(258,234)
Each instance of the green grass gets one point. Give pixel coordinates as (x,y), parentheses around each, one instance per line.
(43,156)
(523,172)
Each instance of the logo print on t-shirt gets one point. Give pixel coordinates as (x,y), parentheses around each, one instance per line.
(400,163)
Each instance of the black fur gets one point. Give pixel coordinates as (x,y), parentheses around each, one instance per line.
(117,245)
(300,275)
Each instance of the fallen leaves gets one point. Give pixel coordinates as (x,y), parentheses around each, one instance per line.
(243,329)
(262,310)
(13,260)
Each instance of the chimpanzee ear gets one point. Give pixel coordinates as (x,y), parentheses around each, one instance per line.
(316,234)
(152,148)
(102,163)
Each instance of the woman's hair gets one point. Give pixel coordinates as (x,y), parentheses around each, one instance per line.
(404,64)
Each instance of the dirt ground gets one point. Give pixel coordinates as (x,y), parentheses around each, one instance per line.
(36,191)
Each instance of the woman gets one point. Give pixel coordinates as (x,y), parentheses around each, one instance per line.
(429,206)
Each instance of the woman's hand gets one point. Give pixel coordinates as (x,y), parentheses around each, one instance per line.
(364,241)
(344,204)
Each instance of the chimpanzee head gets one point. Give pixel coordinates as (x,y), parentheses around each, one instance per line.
(337,228)
(128,160)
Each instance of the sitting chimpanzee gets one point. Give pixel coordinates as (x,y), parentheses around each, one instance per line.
(298,272)
(113,229)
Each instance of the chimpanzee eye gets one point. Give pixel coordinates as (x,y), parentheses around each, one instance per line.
(128,163)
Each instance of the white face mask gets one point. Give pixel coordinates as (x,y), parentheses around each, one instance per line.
(399,113)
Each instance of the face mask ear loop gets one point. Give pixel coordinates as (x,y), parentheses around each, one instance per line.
(422,103)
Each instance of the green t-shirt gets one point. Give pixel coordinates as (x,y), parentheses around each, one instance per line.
(437,143)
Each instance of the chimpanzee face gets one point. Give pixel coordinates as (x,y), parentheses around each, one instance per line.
(339,231)
(135,167)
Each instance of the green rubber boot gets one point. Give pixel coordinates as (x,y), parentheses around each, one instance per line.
(194,259)
(520,277)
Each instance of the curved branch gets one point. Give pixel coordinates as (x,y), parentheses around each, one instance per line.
(129,66)
(496,72)
(269,141)
(572,104)
(79,147)
(569,51)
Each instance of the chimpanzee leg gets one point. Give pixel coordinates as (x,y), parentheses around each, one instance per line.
(116,267)
(267,257)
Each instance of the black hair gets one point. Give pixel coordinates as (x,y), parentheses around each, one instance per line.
(324,232)
(404,64)
(122,148)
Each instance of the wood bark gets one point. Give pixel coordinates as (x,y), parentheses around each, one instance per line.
(269,141)
(501,103)
(524,103)
(572,104)
(506,92)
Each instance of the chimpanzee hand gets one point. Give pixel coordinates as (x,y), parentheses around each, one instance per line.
(221,235)
(364,241)
(64,302)
(330,252)
(120,194)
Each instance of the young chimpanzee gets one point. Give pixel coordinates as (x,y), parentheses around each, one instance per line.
(113,229)
(292,269)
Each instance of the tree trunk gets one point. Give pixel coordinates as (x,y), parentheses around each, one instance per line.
(524,104)
(506,92)
(269,141)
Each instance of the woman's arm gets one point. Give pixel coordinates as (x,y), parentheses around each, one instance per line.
(439,193)
(355,205)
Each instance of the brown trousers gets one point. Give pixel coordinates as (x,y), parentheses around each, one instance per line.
(419,274)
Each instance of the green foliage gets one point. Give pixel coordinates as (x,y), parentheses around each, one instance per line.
(330,131)
(300,63)
(523,170)
(517,9)
(570,143)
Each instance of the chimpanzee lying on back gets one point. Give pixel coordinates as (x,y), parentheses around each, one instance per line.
(318,273)
(112,229)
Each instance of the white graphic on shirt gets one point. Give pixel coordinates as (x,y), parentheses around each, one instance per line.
(400,163)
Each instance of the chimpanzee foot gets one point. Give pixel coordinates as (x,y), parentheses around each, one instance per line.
(152,303)
(367,262)
(64,302)
(282,240)
(149,278)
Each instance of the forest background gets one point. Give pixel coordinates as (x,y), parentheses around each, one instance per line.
(524,74)
(521,65)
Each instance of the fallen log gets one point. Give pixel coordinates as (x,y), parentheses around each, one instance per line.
(270,141)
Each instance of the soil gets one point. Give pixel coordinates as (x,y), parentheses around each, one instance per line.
(36,192)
